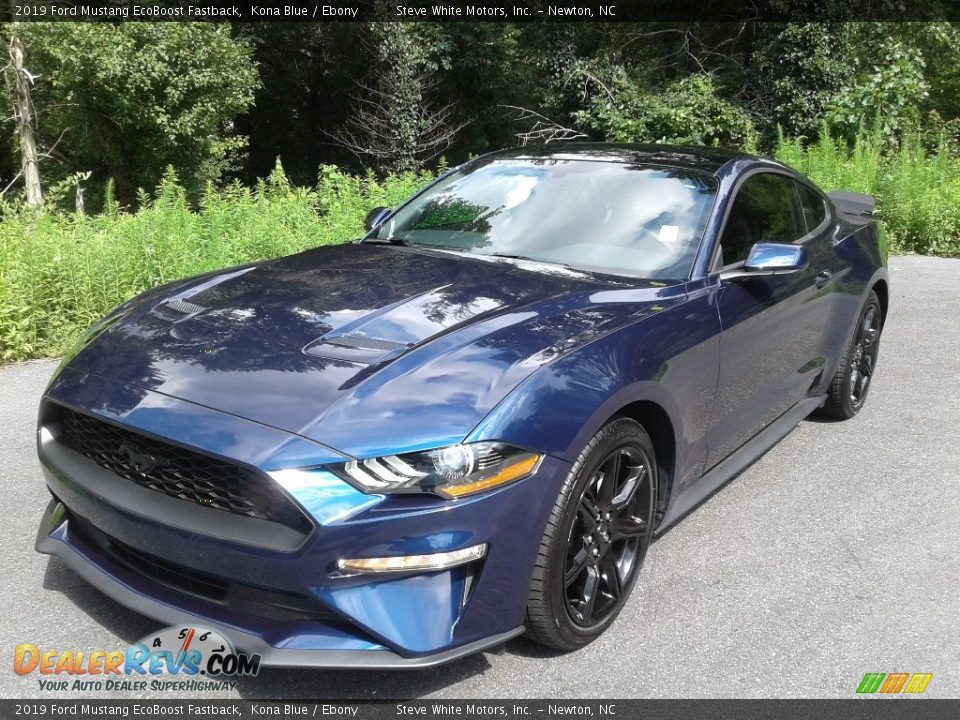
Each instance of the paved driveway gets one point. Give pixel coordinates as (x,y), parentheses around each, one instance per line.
(836,554)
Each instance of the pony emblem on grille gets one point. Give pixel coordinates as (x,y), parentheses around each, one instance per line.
(141,462)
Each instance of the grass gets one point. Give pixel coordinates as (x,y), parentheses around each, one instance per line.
(60,272)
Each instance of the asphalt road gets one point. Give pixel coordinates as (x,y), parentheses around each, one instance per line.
(836,554)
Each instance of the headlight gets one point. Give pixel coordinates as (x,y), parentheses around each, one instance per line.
(453,471)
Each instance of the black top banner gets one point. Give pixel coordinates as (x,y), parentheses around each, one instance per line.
(460,11)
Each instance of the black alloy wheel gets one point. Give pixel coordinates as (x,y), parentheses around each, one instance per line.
(853,378)
(602,546)
(596,538)
(864,358)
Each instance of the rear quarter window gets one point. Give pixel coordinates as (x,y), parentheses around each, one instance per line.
(814,208)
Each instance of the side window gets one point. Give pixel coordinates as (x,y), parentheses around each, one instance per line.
(766,209)
(814,211)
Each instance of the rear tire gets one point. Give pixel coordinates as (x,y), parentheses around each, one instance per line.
(848,391)
(596,538)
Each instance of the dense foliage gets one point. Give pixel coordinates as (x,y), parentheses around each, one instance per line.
(917,190)
(124,100)
(688,111)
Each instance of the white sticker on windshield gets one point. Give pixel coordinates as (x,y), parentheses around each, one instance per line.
(669,233)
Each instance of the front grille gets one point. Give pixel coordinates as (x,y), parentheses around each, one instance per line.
(246,599)
(177,472)
(150,566)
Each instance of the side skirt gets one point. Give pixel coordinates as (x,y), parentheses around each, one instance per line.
(739,460)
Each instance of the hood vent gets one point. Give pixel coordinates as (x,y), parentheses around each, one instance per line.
(176,309)
(366,343)
(184,307)
(355,348)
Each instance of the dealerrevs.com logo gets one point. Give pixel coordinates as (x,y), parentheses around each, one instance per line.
(196,659)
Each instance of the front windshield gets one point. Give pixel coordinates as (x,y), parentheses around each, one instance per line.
(607,217)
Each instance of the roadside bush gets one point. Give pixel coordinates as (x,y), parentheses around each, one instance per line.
(917,190)
(60,272)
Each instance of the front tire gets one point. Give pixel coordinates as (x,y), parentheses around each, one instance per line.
(848,391)
(596,538)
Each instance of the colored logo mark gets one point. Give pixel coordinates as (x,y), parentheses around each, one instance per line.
(892,683)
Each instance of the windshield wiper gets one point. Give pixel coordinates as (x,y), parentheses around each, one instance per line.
(509,257)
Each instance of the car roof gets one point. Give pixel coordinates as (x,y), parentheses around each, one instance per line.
(694,157)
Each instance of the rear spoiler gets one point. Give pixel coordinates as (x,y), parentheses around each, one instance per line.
(854,205)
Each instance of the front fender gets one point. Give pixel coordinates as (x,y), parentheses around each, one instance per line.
(670,358)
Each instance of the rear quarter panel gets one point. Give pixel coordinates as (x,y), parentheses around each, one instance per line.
(862,250)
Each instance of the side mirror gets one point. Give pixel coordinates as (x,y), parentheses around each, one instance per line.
(375,217)
(766,259)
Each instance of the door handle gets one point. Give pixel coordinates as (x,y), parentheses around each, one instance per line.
(823,278)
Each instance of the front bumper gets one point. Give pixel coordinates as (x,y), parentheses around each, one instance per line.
(55,539)
(401,620)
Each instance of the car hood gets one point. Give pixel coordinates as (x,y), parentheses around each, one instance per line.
(364,348)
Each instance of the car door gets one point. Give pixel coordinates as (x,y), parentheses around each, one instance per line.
(772,344)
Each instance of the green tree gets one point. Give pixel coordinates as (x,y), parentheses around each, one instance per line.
(689,111)
(796,73)
(126,100)
(481,67)
(395,124)
(887,91)
(940,45)
(881,77)
(307,73)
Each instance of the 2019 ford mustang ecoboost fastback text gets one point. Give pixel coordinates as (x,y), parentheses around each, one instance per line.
(470,423)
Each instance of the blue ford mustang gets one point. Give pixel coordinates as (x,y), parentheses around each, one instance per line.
(472,422)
